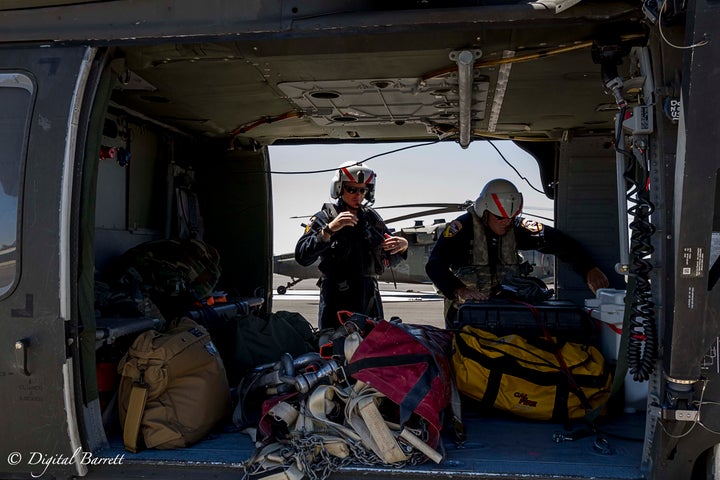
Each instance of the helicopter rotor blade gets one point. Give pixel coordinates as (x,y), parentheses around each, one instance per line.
(435,208)
(436,211)
(454,206)
(424,213)
(443,207)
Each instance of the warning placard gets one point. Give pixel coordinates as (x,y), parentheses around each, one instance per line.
(691,261)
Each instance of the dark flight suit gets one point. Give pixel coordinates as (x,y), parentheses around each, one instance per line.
(350,263)
(454,247)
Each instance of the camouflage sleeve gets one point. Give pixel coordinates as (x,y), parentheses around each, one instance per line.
(309,247)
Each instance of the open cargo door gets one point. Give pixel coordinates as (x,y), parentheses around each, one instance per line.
(40,92)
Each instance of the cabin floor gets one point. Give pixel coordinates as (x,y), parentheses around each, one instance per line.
(495,447)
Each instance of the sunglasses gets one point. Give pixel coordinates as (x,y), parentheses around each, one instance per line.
(354,190)
(498,217)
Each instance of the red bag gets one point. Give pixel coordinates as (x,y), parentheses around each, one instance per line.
(409,365)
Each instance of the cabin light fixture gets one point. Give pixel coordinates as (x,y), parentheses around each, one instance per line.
(344,118)
(325,95)
(380,84)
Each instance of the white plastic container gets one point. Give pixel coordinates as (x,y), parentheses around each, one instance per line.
(609,308)
(611,296)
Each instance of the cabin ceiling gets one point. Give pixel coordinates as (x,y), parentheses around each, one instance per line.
(397,82)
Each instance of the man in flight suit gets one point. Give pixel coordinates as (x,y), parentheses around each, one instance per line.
(478,249)
(353,244)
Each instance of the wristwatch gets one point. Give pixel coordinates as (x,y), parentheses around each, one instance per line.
(325,234)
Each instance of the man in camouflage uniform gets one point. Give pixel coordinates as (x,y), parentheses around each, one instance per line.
(480,247)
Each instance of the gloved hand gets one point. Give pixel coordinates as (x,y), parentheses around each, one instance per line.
(596,279)
(466,294)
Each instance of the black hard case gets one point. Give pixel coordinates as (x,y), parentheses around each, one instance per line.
(563,320)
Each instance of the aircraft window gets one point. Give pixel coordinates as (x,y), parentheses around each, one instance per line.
(16,94)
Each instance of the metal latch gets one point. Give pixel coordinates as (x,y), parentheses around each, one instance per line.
(681,415)
(21,355)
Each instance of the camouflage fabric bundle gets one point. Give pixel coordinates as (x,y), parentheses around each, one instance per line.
(172,267)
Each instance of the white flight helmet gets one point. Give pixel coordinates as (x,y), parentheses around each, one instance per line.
(500,197)
(354,173)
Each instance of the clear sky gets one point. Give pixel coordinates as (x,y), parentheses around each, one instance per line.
(438,173)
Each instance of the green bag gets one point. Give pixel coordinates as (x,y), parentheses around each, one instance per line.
(261,340)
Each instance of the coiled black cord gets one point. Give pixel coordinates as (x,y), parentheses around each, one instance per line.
(643,338)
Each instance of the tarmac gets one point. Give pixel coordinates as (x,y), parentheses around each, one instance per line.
(413,303)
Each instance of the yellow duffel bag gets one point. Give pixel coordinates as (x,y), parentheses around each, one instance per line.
(532,378)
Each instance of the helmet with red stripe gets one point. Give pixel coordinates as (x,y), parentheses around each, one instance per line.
(353,172)
(501,198)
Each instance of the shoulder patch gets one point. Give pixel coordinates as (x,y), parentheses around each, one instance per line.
(310,223)
(531,225)
(452,229)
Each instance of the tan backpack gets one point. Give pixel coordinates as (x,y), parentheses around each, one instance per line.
(173,388)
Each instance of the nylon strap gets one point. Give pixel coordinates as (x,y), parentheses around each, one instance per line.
(363,416)
(133,418)
(321,400)
(284,412)
(287,473)
(351,344)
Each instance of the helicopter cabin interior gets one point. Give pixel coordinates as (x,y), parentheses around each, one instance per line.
(152,176)
(175,145)
(183,153)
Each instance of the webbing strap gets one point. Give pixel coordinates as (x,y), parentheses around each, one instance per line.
(321,400)
(507,362)
(133,418)
(456,406)
(284,412)
(363,416)
(351,344)
(284,473)
(271,465)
